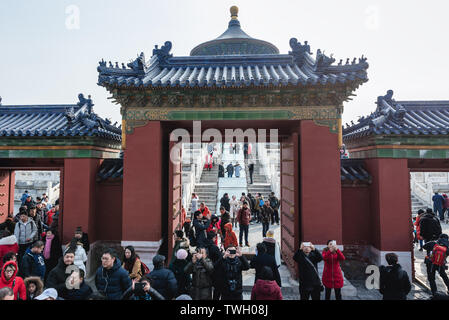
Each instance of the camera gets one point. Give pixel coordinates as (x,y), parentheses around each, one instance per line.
(232,251)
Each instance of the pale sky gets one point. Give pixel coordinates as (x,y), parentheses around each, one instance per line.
(43,60)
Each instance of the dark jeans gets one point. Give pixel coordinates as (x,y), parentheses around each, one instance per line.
(21,253)
(217,294)
(431,270)
(251,176)
(265,227)
(275,216)
(337,293)
(231,296)
(243,229)
(440,213)
(306,294)
(230,175)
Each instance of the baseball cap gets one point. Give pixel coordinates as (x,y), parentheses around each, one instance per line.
(48,293)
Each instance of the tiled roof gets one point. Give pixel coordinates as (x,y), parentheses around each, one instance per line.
(352,170)
(402,117)
(233,60)
(110,169)
(55,121)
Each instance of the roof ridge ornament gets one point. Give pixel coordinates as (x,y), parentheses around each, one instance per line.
(83,101)
(164,52)
(298,51)
(323,61)
(139,63)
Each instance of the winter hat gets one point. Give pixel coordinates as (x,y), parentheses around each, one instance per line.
(48,293)
(270,233)
(181,254)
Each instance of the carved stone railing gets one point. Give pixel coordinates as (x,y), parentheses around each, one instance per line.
(422,191)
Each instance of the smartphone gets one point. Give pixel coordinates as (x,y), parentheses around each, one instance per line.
(232,251)
(138,287)
(307,244)
(334,243)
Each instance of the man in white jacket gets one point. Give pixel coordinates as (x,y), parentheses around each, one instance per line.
(25,231)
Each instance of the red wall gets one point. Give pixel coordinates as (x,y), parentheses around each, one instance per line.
(390,199)
(108,211)
(356,211)
(79,196)
(320,184)
(142,184)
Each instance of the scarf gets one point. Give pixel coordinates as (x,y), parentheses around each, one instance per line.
(48,246)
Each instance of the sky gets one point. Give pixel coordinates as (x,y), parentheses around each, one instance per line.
(50,49)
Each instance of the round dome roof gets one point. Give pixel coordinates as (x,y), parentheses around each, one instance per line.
(234,41)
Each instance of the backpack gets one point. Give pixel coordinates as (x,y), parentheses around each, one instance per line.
(144,268)
(438,256)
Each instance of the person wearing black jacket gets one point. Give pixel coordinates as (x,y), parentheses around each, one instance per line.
(57,277)
(83,238)
(430,227)
(394,282)
(162,279)
(200,225)
(432,268)
(231,266)
(224,202)
(307,258)
(263,259)
(221,170)
(142,292)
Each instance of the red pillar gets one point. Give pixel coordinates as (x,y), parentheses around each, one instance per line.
(321,216)
(79,197)
(6,194)
(142,184)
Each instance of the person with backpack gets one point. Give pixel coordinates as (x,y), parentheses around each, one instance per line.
(33,263)
(25,232)
(132,264)
(437,252)
(394,283)
(307,258)
(429,226)
(231,266)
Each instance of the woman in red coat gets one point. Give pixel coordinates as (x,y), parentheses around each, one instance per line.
(9,279)
(332,275)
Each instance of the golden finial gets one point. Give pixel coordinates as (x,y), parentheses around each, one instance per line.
(234,12)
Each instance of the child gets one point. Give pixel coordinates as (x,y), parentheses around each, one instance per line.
(34,287)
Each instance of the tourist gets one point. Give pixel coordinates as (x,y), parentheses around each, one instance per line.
(194,206)
(29,202)
(266,212)
(418,229)
(201,268)
(394,283)
(181,242)
(272,247)
(257,207)
(332,274)
(446,207)
(213,251)
(429,226)
(111,279)
(231,266)
(83,238)
(76,288)
(266,288)
(162,279)
(208,162)
(438,203)
(24,196)
(10,256)
(6,294)
(9,224)
(224,202)
(435,261)
(243,219)
(221,170)
(230,170)
(307,258)
(25,232)
(200,226)
(8,243)
(251,171)
(10,279)
(33,263)
(237,169)
(245,151)
(275,204)
(132,263)
(52,250)
(225,218)
(205,210)
(57,277)
(234,204)
(230,237)
(214,226)
(177,266)
(142,290)
(32,213)
(80,254)
(261,260)
(34,287)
